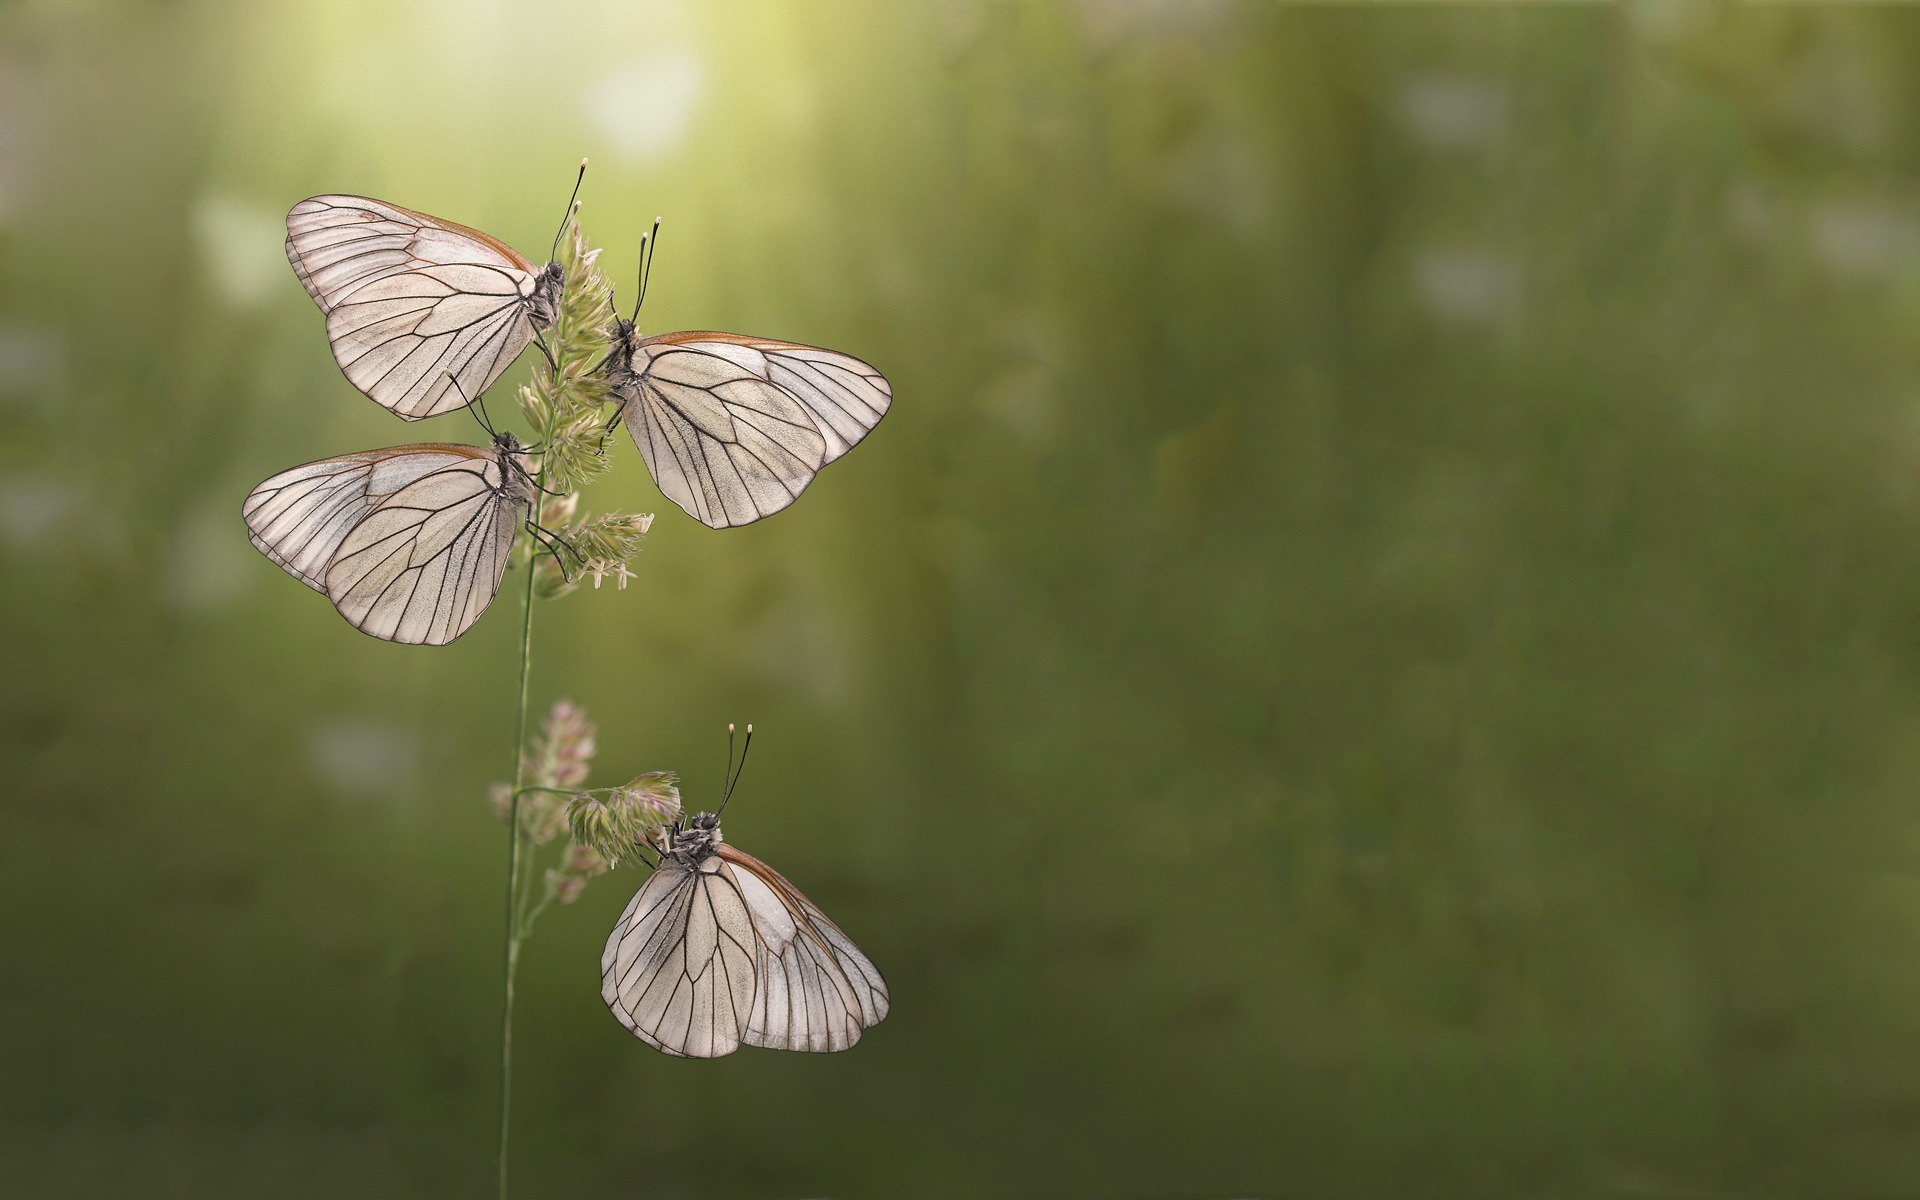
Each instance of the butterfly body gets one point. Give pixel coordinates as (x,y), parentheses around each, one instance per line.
(696,845)
(510,474)
(409,542)
(542,294)
(734,427)
(717,950)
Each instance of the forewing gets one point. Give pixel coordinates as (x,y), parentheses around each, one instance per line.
(299,517)
(410,298)
(424,564)
(678,969)
(817,991)
(735,428)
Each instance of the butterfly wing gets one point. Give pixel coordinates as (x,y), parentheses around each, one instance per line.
(678,970)
(816,991)
(299,517)
(410,298)
(735,428)
(423,565)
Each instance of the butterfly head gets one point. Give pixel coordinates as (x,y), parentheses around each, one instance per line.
(696,840)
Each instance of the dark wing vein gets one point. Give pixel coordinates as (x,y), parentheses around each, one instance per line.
(425,564)
(734,429)
(409,297)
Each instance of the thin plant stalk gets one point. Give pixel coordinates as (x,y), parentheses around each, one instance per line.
(510,948)
(563,406)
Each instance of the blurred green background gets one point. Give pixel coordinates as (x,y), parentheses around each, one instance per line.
(1375,654)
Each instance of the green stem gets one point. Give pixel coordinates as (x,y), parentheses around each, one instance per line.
(533,914)
(510,956)
(520,922)
(568,791)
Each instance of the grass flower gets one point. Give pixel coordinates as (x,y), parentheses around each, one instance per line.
(605,545)
(564,402)
(616,823)
(563,887)
(563,754)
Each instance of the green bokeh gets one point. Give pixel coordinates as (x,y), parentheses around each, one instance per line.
(1375,655)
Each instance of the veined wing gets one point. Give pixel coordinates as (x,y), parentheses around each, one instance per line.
(734,428)
(410,298)
(336,243)
(816,991)
(678,969)
(299,517)
(424,564)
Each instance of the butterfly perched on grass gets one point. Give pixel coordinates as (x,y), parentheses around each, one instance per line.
(422,313)
(409,542)
(717,950)
(733,427)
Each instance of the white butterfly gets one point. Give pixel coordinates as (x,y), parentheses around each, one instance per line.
(409,542)
(718,949)
(734,428)
(419,310)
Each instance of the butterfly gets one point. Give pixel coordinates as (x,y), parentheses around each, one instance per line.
(718,949)
(734,428)
(409,542)
(421,312)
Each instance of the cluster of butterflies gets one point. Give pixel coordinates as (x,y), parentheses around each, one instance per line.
(410,542)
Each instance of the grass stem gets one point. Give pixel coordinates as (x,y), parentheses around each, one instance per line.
(510,948)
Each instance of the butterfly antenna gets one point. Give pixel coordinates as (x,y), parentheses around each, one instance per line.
(726,776)
(648,242)
(553,254)
(640,277)
(479,411)
(744,747)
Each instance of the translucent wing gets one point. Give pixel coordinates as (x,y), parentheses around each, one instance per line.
(678,968)
(424,564)
(734,428)
(410,298)
(409,543)
(816,990)
(299,517)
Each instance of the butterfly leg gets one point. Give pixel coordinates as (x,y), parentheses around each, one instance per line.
(535,482)
(547,540)
(542,344)
(619,411)
(569,547)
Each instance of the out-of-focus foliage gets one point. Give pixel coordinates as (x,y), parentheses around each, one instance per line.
(1375,654)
